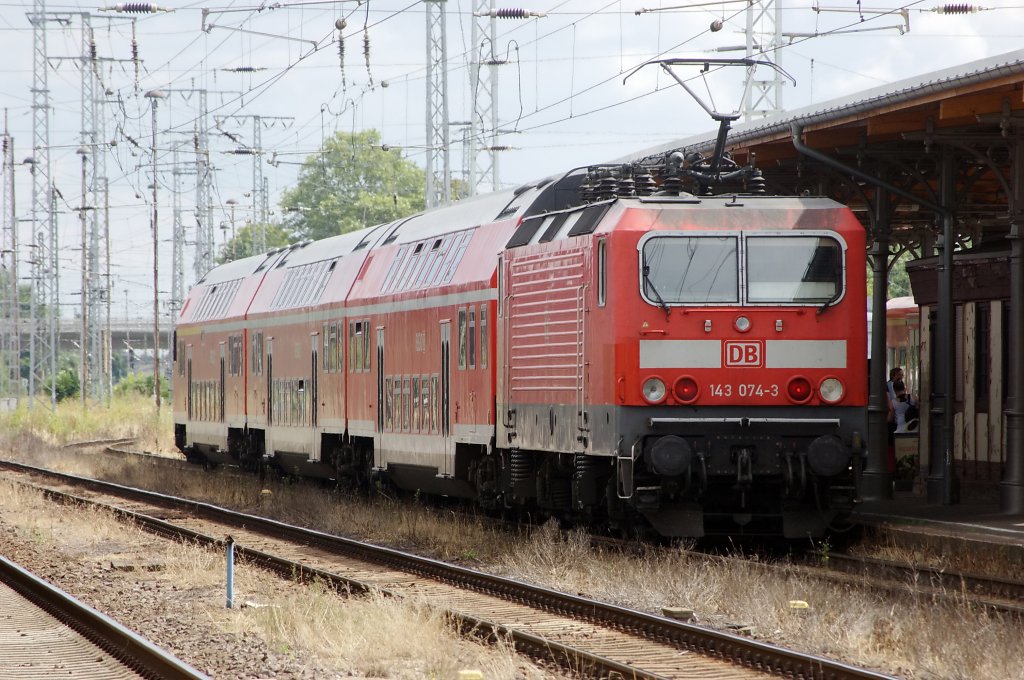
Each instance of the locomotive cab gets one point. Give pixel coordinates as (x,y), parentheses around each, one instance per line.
(717,381)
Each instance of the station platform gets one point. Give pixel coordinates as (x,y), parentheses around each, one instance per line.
(974,520)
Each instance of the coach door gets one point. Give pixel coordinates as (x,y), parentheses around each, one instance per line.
(445,426)
(188,393)
(270,382)
(314,396)
(381,398)
(221,392)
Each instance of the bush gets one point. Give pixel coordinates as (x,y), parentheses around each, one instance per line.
(67,384)
(138,383)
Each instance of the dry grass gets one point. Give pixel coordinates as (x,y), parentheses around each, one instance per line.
(910,636)
(372,636)
(130,416)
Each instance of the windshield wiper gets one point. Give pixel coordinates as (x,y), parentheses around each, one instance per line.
(650,286)
(839,291)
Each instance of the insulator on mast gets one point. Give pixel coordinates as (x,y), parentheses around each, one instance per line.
(135,8)
(366,54)
(958,8)
(510,13)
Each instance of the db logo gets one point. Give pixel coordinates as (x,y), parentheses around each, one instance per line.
(743,354)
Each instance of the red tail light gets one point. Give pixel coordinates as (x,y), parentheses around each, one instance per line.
(799,389)
(687,389)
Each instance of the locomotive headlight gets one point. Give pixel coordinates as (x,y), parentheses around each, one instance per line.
(742,324)
(654,390)
(831,390)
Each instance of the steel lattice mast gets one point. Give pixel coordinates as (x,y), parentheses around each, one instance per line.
(10,341)
(439,174)
(204,185)
(260,204)
(483,158)
(94,382)
(177,243)
(764,20)
(45,285)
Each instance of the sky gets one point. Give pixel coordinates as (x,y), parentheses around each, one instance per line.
(561,99)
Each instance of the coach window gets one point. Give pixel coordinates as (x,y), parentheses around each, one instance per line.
(794,269)
(256,349)
(355,346)
(472,337)
(425,403)
(406,407)
(483,336)
(325,353)
(387,403)
(462,338)
(397,392)
(433,403)
(366,344)
(602,273)
(689,269)
(501,287)
(415,401)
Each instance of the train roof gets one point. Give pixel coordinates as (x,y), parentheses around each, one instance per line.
(238,269)
(464,214)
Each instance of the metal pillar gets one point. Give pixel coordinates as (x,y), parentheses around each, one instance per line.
(10,377)
(92,291)
(83,335)
(259,227)
(44,304)
(1012,485)
(108,369)
(877,478)
(483,158)
(204,183)
(156,263)
(764,19)
(177,243)
(940,483)
(439,174)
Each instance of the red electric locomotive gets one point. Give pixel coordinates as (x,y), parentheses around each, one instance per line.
(600,346)
(702,358)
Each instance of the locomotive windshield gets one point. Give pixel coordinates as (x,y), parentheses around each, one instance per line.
(690,269)
(802,269)
(786,269)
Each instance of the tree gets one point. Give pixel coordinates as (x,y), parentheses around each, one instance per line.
(242,244)
(899,280)
(354,182)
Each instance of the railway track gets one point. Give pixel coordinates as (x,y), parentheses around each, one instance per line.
(45,632)
(589,637)
(1000,595)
